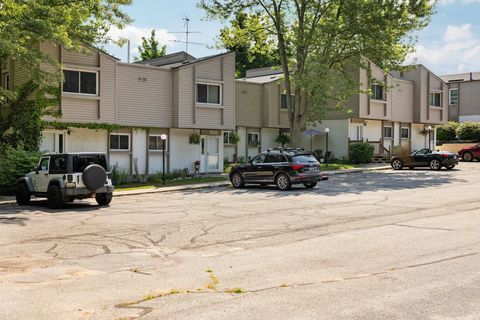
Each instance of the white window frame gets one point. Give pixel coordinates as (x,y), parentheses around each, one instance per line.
(383,92)
(430,99)
(80,83)
(121,134)
(157,136)
(228,133)
(408,130)
(450,97)
(220,85)
(389,137)
(253,133)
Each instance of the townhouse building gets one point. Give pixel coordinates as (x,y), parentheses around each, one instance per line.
(463,96)
(124,108)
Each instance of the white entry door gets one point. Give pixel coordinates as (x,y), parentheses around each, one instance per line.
(213,154)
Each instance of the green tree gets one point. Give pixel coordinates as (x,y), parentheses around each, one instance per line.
(254,45)
(76,25)
(321,41)
(150,49)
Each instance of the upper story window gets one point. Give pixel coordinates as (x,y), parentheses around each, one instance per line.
(435,99)
(81,82)
(119,141)
(283,101)
(378,92)
(387,132)
(209,93)
(453,96)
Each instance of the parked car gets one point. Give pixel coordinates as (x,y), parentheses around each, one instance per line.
(282,167)
(65,177)
(425,158)
(470,153)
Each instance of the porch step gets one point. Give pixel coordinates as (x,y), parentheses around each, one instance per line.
(380,159)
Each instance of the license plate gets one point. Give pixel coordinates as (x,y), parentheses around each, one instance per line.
(312,168)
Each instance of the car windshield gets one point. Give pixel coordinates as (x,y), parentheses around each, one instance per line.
(304,158)
(80,162)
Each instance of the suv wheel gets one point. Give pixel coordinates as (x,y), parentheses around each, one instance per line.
(103,199)
(309,185)
(397,164)
(467,156)
(283,182)
(22,195)
(54,197)
(435,164)
(237,180)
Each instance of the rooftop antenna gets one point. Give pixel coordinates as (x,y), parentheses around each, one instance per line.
(187,33)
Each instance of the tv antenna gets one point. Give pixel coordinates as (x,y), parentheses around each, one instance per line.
(187,33)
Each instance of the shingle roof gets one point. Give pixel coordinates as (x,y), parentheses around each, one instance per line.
(173,58)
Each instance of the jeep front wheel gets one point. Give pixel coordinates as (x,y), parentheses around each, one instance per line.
(54,197)
(103,199)
(22,195)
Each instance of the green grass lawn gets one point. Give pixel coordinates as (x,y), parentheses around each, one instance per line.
(151,185)
(338,166)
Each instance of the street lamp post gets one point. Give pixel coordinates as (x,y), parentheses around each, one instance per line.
(164,140)
(327,130)
(429,128)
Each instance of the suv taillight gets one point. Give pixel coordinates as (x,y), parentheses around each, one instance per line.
(297,167)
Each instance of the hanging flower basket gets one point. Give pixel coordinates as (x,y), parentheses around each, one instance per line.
(194,138)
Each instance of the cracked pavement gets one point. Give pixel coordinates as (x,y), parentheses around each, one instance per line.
(374,245)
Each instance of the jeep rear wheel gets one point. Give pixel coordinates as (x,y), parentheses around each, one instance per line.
(22,195)
(104,199)
(54,197)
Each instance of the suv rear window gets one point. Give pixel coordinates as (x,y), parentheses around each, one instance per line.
(304,158)
(80,162)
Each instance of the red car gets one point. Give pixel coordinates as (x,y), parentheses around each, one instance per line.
(470,153)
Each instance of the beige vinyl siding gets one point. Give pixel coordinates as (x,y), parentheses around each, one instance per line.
(402,101)
(76,109)
(107,80)
(19,76)
(144,96)
(249,104)
(54,52)
(175,97)
(87,58)
(194,115)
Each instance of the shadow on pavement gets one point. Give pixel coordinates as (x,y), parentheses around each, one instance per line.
(355,183)
(41,206)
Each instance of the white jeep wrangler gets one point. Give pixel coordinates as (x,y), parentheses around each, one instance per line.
(64,177)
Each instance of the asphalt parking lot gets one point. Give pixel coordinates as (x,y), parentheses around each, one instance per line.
(377,245)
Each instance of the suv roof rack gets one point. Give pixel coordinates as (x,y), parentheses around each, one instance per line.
(282,150)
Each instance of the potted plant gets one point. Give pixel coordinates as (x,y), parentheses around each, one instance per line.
(194,138)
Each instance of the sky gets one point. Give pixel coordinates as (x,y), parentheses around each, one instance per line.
(449,44)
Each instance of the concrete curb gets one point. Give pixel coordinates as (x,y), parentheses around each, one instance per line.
(11,200)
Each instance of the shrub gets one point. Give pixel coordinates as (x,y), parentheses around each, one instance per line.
(469,131)
(119,175)
(194,138)
(361,152)
(234,138)
(283,139)
(14,164)
(447,132)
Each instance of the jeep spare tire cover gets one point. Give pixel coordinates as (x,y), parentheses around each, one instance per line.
(94,177)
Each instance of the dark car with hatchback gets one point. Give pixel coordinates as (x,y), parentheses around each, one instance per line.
(282,167)
(435,160)
(470,153)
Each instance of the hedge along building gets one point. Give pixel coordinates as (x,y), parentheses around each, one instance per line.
(123,108)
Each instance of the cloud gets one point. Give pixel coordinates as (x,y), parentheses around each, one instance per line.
(449,2)
(457,51)
(135,34)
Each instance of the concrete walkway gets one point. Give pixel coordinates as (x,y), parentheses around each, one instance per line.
(369,167)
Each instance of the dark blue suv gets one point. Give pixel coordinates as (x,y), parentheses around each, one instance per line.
(280,166)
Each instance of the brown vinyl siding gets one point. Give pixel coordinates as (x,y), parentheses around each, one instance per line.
(106,80)
(249,106)
(86,59)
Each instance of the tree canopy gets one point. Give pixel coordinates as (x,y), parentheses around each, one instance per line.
(320,42)
(251,40)
(76,25)
(150,48)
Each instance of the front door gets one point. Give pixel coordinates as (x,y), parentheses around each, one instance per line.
(213,154)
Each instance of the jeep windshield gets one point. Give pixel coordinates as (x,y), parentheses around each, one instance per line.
(81,161)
